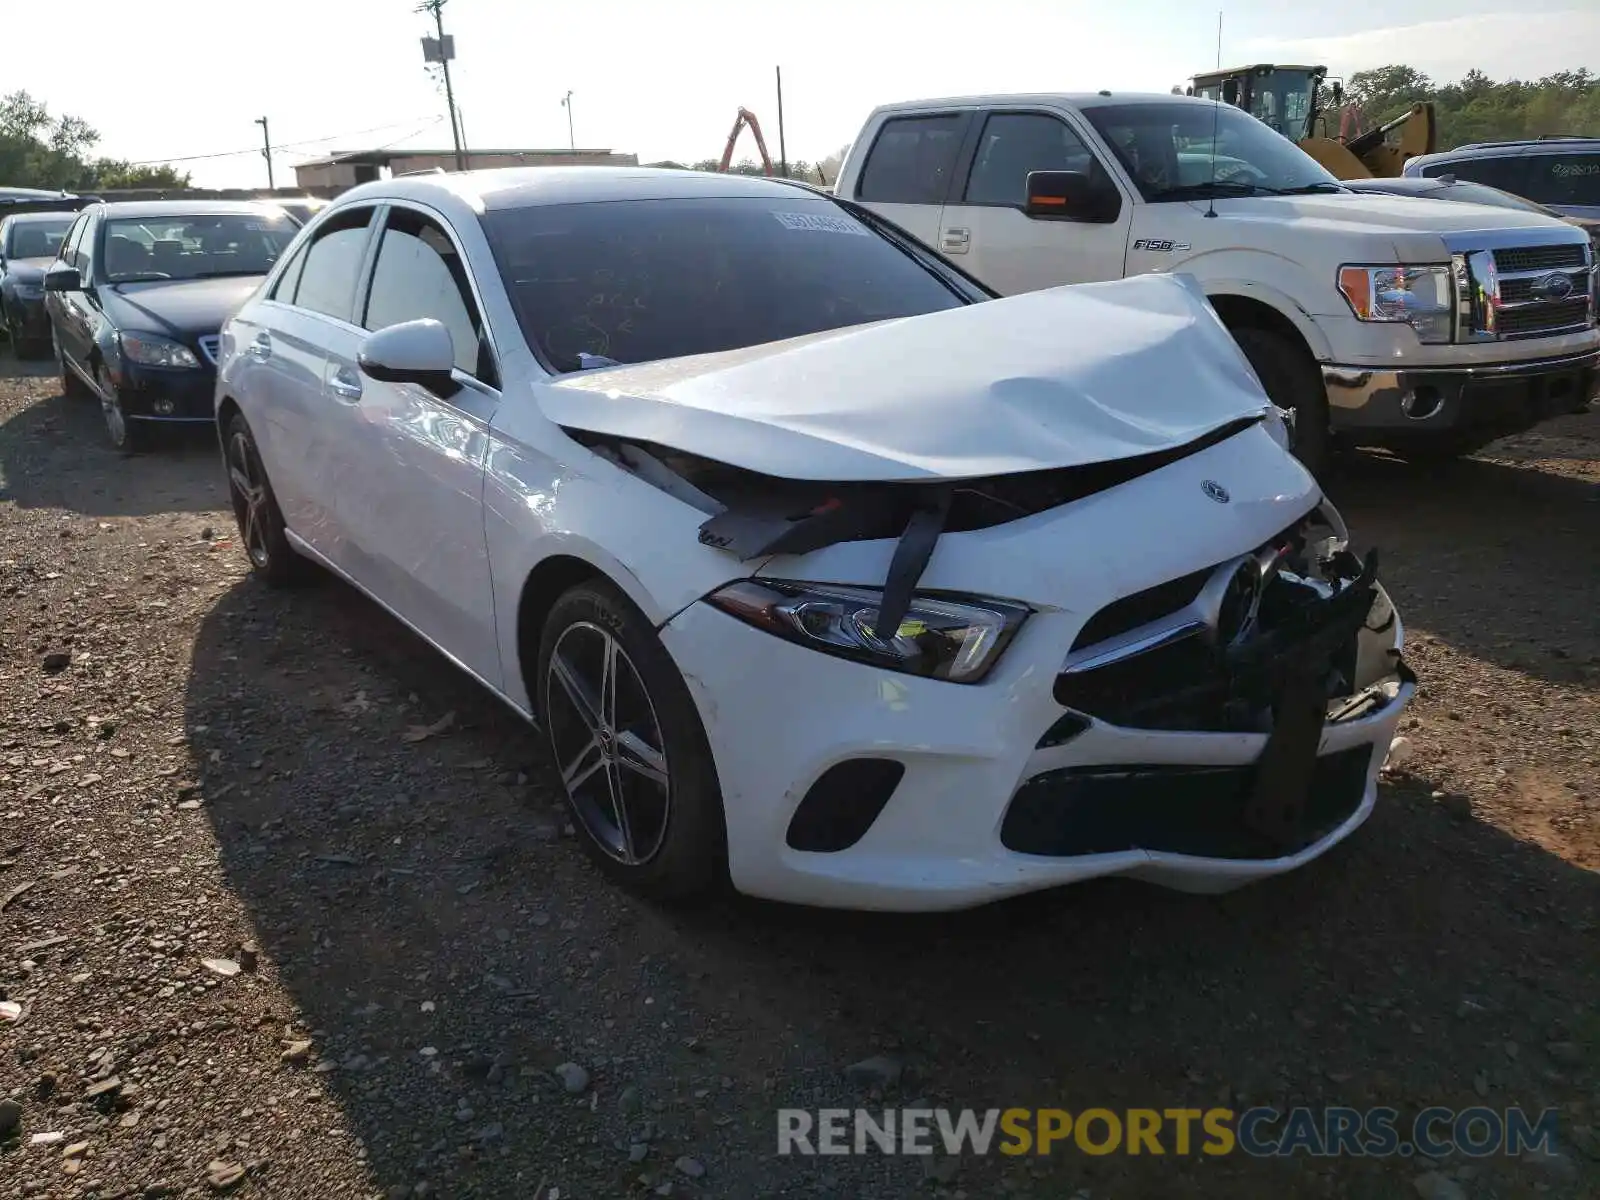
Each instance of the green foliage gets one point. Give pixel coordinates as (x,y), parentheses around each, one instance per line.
(41,151)
(1477,109)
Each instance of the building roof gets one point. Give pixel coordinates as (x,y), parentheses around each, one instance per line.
(383,157)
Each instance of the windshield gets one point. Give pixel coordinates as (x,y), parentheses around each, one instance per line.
(1564,179)
(1168,150)
(634,281)
(36,239)
(194,247)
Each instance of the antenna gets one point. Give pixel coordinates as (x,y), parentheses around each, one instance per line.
(1216,113)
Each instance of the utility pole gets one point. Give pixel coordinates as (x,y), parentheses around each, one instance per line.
(566,103)
(266,151)
(441,51)
(783,154)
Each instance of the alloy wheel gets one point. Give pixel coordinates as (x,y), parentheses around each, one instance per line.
(249,493)
(608,744)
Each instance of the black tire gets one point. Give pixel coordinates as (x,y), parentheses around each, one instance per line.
(672,845)
(72,386)
(262,533)
(1294,382)
(128,436)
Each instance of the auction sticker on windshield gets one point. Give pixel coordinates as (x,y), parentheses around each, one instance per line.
(820,224)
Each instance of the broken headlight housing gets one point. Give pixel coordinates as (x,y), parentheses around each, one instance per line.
(1421,297)
(955,638)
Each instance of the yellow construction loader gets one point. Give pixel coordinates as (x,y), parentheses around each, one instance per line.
(1290,99)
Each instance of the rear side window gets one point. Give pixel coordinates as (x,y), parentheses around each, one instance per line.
(419,274)
(327,282)
(1564,179)
(1014,144)
(1504,173)
(912,160)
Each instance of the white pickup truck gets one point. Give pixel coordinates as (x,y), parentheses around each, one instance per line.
(1427,327)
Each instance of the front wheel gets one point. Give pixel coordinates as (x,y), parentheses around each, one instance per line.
(1292,381)
(628,745)
(128,436)
(262,531)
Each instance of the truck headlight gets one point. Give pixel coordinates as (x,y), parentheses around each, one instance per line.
(156,352)
(944,637)
(1421,297)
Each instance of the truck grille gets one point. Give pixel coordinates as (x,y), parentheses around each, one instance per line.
(1524,292)
(1540,258)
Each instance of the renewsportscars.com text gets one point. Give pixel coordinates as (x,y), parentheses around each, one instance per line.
(1259,1132)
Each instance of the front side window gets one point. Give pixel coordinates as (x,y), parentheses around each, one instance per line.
(637,281)
(36,239)
(1504,172)
(419,274)
(138,249)
(1570,179)
(1014,144)
(327,282)
(912,160)
(1187,151)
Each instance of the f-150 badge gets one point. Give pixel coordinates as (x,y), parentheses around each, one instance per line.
(1159,246)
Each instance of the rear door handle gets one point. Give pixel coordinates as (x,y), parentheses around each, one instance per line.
(345,384)
(955,241)
(261,347)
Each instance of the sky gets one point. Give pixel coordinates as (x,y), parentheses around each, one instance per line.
(186,78)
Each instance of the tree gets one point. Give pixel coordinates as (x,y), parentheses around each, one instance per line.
(38,150)
(1476,108)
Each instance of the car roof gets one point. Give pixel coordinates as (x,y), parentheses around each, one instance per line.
(1550,145)
(524,187)
(1099,99)
(181,208)
(28,218)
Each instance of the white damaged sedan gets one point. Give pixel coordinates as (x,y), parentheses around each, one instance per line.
(820,569)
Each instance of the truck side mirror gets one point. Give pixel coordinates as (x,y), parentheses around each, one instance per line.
(1070,196)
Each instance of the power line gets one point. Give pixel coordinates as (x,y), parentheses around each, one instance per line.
(332,137)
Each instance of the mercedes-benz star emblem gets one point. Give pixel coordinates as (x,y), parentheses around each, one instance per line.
(1215,490)
(1553,287)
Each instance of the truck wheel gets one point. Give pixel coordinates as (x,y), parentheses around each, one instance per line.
(1292,381)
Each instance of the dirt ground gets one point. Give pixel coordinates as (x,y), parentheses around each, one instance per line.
(412,944)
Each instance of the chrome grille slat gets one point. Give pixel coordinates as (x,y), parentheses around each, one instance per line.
(1540,258)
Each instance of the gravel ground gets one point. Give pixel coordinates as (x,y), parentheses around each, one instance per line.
(288,909)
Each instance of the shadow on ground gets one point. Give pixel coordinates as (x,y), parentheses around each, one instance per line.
(55,454)
(421,894)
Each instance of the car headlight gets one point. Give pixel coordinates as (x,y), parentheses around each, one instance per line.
(955,638)
(156,352)
(1421,297)
(29,291)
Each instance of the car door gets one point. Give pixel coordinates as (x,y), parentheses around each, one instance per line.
(908,170)
(287,339)
(985,228)
(72,316)
(411,496)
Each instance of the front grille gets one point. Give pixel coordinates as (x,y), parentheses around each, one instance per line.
(208,347)
(1522,288)
(1540,258)
(1539,319)
(1178,810)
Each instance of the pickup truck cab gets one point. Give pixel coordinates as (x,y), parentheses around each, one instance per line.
(1427,327)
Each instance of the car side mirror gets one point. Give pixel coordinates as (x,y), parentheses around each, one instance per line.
(420,352)
(62,278)
(1070,196)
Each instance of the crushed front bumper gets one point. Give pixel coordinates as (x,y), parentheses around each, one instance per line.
(1389,407)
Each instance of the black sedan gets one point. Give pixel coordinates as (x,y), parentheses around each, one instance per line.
(29,242)
(138,294)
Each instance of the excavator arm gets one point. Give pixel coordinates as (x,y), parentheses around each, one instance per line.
(746,117)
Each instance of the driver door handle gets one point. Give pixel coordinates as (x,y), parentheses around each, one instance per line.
(345,384)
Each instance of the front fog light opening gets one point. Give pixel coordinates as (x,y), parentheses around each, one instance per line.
(1421,403)
(163,407)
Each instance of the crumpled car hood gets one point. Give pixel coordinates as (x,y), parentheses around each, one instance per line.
(1059,378)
